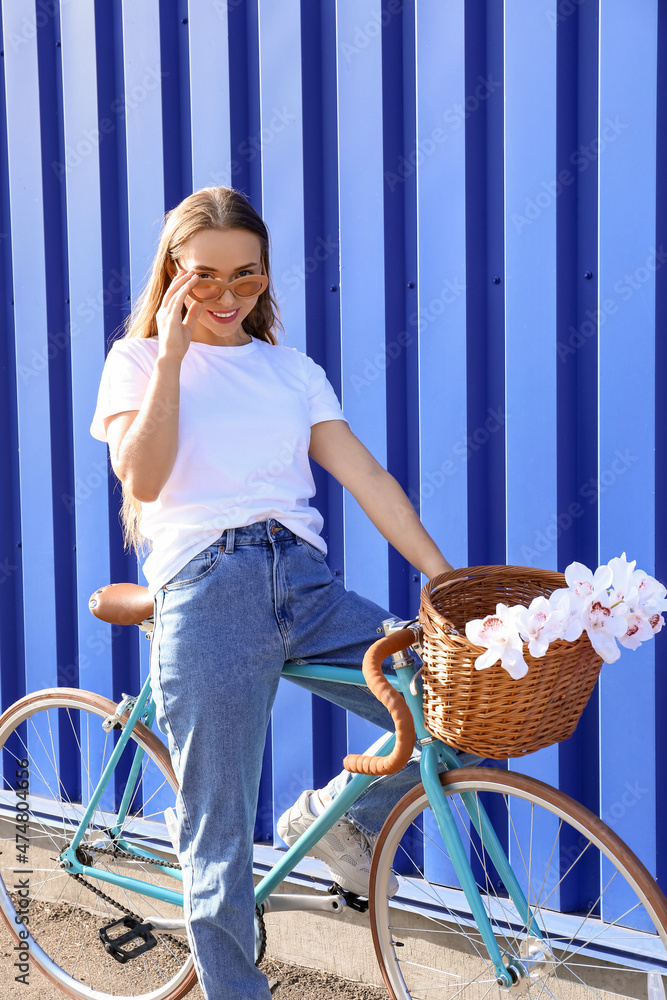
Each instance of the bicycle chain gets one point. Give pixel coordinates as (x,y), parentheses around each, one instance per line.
(118,852)
(103,895)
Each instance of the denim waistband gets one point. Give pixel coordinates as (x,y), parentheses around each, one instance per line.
(257,533)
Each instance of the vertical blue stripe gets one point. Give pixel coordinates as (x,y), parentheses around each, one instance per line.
(12,665)
(481,451)
(360,198)
(281,145)
(243,55)
(322,306)
(661,442)
(530,302)
(576,208)
(437,158)
(142,113)
(280,149)
(530,291)
(400,355)
(576,205)
(80,178)
(439,154)
(175,100)
(209,95)
(320,189)
(627,265)
(32,348)
(362,291)
(115,299)
(58,352)
(86,501)
(496,409)
(410,325)
(143,130)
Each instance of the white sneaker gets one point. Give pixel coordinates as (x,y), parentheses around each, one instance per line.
(345,849)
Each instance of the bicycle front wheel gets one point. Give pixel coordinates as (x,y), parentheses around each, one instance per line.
(54,752)
(600,920)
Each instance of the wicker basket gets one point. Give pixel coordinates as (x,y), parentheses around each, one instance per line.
(486,712)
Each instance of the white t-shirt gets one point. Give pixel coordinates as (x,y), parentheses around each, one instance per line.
(243,436)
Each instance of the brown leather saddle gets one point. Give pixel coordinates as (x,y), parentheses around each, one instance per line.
(122,604)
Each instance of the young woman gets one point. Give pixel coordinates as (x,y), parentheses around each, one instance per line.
(210,426)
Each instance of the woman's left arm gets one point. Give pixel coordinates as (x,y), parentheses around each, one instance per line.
(334,446)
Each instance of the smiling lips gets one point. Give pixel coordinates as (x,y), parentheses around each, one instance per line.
(223,317)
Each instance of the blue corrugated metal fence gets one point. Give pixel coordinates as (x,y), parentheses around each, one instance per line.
(467,233)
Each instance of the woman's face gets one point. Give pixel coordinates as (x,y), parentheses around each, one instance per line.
(225,255)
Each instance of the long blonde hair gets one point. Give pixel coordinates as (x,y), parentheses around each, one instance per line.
(219,208)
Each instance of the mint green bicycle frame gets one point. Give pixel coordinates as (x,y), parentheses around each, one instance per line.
(433,754)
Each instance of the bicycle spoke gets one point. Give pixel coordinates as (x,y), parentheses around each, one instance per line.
(481,854)
(566,965)
(71,911)
(434,898)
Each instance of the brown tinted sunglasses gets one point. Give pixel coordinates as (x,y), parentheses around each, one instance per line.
(211,289)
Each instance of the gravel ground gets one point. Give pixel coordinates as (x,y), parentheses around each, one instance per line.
(288,982)
(303,984)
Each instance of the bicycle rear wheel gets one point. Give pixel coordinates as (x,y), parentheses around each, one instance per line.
(602,917)
(56,737)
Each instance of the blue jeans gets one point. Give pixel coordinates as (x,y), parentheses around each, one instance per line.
(224,625)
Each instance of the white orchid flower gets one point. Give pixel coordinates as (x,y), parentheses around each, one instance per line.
(603,627)
(651,595)
(500,635)
(566,610)
(536,625)
(622,573)
(585,584)
(635,588)
(639,628)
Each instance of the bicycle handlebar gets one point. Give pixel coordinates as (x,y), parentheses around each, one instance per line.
(393,701)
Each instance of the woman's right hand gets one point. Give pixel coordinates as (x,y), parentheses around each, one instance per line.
(174,332)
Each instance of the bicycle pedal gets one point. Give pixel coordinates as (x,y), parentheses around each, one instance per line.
(351,899)
(137,930)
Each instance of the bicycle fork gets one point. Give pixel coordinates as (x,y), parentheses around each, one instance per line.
(434,752)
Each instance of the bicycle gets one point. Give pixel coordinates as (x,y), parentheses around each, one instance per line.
(525,890)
